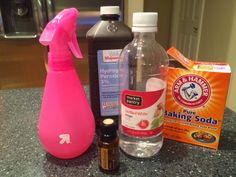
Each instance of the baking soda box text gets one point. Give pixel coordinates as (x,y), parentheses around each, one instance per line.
(195,101)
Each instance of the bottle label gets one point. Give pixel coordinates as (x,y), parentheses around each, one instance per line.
(109,158)
(108,81)
(142,113)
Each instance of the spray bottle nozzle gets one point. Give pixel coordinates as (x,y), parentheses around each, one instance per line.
(60,34)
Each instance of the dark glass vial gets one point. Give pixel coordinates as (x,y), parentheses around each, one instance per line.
(108,146)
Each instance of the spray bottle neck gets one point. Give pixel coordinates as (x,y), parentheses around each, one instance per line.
(60,35)
(60,62)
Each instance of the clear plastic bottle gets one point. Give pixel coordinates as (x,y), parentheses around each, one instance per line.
(143,73)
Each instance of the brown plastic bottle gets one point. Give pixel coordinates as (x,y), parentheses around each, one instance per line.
(106,39)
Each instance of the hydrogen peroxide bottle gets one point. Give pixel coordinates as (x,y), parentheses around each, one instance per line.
(143,74)
(106,39)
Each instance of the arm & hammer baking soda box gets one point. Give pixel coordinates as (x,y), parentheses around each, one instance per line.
(195,101)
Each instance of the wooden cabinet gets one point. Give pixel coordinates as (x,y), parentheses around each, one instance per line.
(23,63)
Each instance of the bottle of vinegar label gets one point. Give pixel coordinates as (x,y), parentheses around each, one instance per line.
(143,73)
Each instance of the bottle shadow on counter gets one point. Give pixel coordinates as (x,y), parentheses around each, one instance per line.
(79,166)
(82,160)
(172,151)
(84,165)
(227,140)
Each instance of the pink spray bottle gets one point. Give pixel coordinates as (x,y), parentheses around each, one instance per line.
(66,125)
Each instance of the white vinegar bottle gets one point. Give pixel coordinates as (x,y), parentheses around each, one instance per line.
(143,73)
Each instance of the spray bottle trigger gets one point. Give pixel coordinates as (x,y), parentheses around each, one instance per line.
(74,46)
(48,34)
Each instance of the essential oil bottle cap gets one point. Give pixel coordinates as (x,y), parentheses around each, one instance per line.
(108,126)
(106,10)
(145,22)
(108,121)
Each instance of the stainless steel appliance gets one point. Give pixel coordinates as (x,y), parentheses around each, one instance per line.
(89,11)
(26,18)
(22,58)
(22,18)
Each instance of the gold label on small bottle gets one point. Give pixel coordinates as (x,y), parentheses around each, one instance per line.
(109,158)
(104,158)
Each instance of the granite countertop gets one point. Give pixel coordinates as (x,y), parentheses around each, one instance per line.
(21,153)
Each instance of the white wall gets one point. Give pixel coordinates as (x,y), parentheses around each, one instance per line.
(218,40)
(164,9)
(216,29)
(231,59)
(131,6)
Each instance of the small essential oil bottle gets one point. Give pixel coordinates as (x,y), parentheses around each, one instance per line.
(108,146)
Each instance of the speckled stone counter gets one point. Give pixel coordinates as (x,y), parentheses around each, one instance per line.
(21,153)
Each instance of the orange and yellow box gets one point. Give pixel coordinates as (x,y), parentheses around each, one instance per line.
(195,101)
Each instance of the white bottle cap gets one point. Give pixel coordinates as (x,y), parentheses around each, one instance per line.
(145,22)
(104,10)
